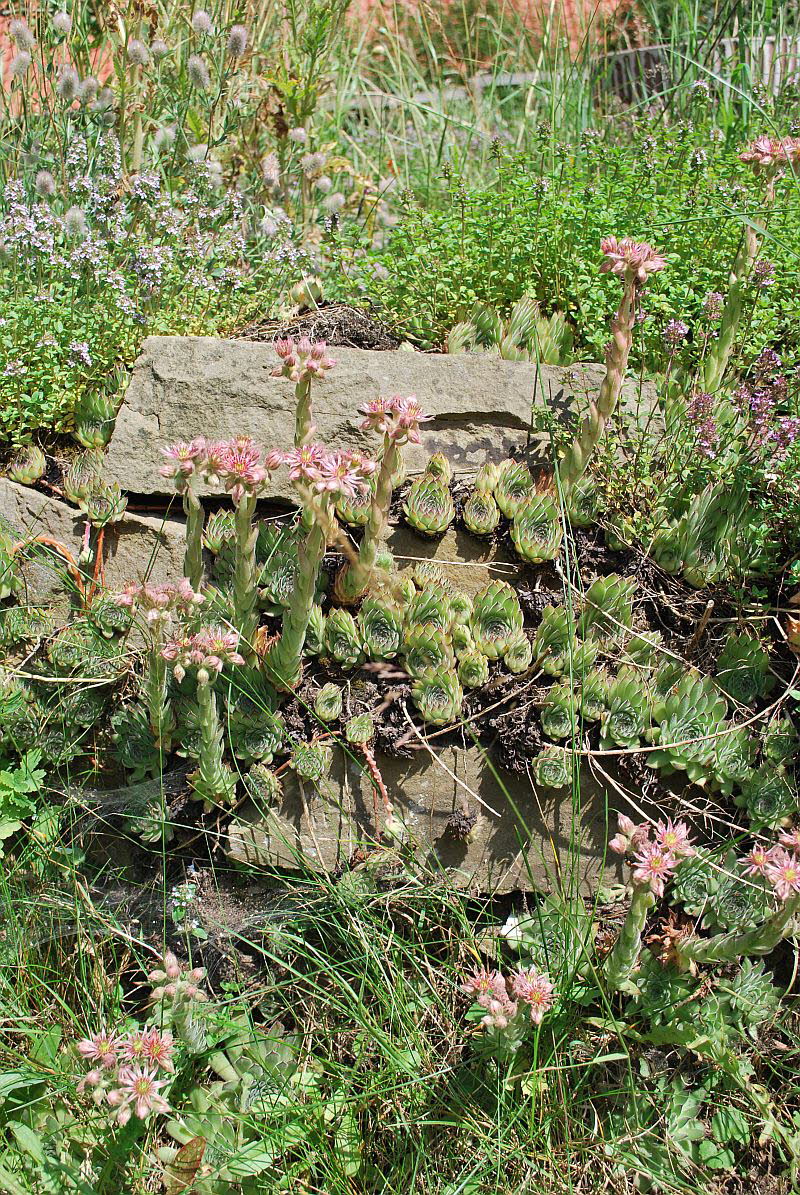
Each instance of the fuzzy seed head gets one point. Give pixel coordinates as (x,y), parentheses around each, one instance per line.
(62,24)
(138,53)
(237,41)
(45,184)
(198,73)
(20,33)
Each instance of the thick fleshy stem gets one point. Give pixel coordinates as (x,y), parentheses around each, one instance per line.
(623,958)
(284,660)
(577,456)
(303,425)
(162,721)
(245,574)
(353,580)
(195,520)
(727,948)
(717,360)
(212,781)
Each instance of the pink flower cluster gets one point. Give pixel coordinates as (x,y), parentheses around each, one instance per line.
(653,859)
(772,153)
(779,864)
(301,360)
(209,648)
(630,260)
(175,982)
(235,464)
(396,417)
(160,602)
(344,473)
(502,997)
(126,1071)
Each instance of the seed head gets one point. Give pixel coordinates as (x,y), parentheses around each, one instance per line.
(62,24)
(138,53)
(20,34)
(45,184)
(198,73)
(19,64)
(159,49)
(89,89)
(75,222)
(69,84)
(202,24)
(237,41)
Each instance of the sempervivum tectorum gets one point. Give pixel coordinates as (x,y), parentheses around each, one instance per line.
(559,714)
(514,484)
(381,628)
(360,730)
(582,503)
(518,655)
(481,513)
(554,641)
(311,760)
(263,785)
(315,632)
(342,640)
(427,649)
(593,695)
(328,703)
(354,509)
(430,606)
(218,531)
(473,669)
(552,768)
(608,606)
(536,529)
(27,466)
(626,717)
(496,618)
(438,466)
(429,505)
(438,697)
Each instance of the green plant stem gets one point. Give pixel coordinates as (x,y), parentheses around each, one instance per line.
(354,579)
(162,722)
(728,948)
(577,456)
(245,574)
(212,781)
(193,556)
(620,963)
(303,424)
(717,360)
(285,658)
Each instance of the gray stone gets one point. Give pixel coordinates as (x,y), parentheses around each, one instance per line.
(187,386)
(525,838)
(135,548)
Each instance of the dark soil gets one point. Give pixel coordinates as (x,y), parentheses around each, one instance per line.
(338,324)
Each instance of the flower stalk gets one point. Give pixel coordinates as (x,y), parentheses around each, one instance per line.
(624,956)
(632,262)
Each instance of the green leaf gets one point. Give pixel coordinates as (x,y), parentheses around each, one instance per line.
(730,1124)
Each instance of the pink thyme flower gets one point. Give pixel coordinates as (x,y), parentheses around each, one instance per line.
(757,861)
(674,838)
(783,873)
(138,1087)
(535,989)
(630,260)
(675,332)
(100,1047)
(653,865)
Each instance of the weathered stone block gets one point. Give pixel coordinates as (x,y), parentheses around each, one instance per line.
(187,386)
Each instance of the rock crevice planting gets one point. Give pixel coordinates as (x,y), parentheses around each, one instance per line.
(398,749)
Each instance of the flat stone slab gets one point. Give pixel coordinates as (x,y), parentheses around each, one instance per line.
(136,548)
(525,838)
(187,386)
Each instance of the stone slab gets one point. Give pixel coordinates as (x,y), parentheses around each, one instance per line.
(187,386)
(526,837)
(135,548)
